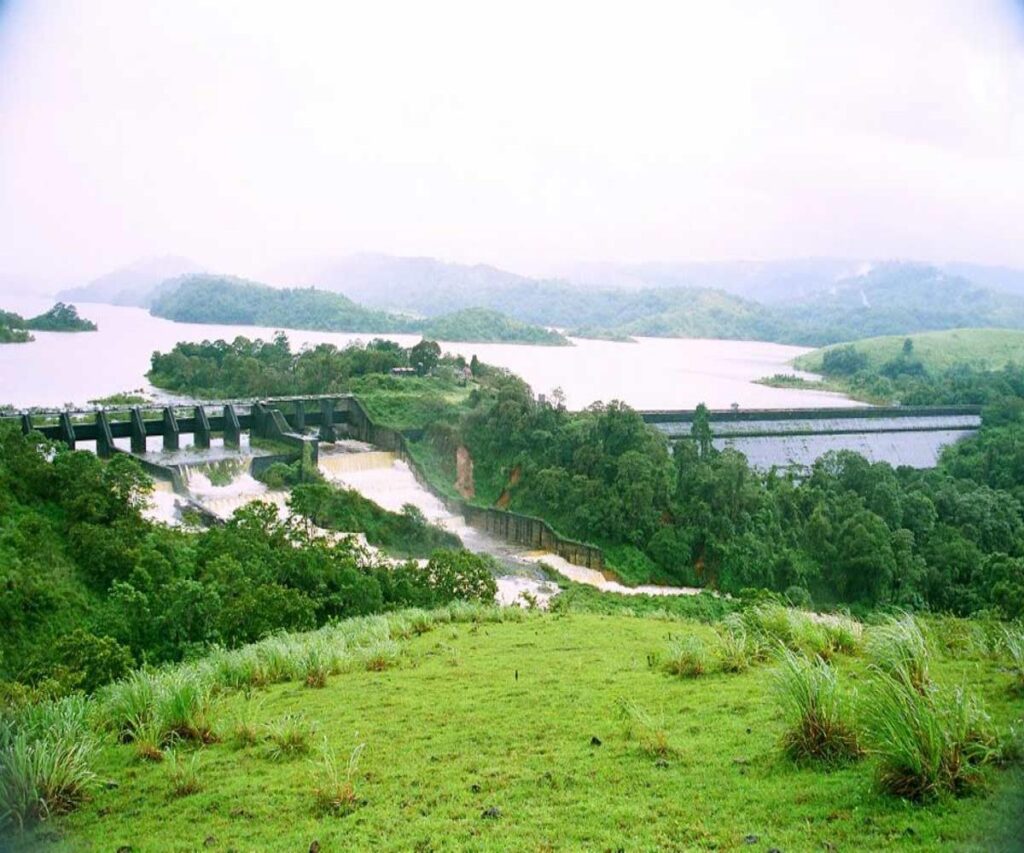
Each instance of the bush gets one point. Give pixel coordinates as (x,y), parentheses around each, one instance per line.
(818,729)
(928,742)
(91,661)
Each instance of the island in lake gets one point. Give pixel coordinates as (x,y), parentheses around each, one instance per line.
(15,329)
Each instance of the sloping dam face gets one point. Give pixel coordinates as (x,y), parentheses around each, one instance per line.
(907,436)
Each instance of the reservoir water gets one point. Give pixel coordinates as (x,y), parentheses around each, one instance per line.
(654,373)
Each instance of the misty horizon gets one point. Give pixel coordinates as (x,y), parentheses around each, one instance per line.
(531,141)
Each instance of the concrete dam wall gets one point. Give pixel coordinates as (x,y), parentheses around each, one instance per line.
(790,438)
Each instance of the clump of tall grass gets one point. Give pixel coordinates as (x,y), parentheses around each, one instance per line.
(818,725)
(956,637)
(147,741)
(647,729)
(129,704)
(45,756)
(245,728)
(928,741)
(737,650)
(379,655)
(688,657)
(773,624)
(897,647)
(316,667)
(183,705)
(289,736)
(843,634)
(335,791)
(1013,644)
(183,774)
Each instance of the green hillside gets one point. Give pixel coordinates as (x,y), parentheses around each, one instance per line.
(988,348)
(480,325)
(474,728)
(234,301)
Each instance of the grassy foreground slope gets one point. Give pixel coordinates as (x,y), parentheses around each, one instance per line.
(988,348)
(512,735)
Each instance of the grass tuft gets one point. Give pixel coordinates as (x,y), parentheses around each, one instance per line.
(183,774)
(289,737)
(818,729)
(928,742)
(649,731)
(897,647)
(335,793)
(688,657)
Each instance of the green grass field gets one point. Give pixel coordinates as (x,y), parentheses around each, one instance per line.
(511,735)
(990,348)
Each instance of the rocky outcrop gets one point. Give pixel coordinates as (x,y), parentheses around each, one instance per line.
(464,472)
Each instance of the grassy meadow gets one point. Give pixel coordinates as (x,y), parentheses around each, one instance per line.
(991,349)
(482,729)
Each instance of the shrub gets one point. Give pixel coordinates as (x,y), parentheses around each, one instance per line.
(817,726)
(688,656)
(335,792)
(928,742)
(898,647)
(289,737)
(183,774)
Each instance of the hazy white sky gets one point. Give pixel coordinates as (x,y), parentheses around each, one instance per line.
(526,134)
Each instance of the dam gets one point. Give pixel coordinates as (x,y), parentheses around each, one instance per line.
(795,438)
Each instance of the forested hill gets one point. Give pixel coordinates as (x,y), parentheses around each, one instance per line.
(808,303)
(896,299)
(811,304)
(234,301)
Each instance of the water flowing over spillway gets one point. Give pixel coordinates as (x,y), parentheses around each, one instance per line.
(390,483)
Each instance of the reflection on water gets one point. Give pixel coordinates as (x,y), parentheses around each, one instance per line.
(655,373)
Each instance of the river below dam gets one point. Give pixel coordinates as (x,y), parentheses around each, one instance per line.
(653,373)
(219,481)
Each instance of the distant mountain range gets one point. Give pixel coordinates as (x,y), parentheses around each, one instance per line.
(136,284)
(807,301)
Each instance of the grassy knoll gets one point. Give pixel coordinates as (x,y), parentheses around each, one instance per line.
(562,731)
(988,348)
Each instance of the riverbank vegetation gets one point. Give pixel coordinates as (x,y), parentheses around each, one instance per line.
(393,732)
(201,298)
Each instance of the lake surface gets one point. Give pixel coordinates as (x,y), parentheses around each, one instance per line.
(655,373)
